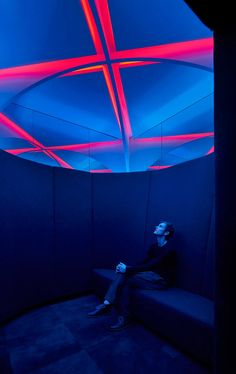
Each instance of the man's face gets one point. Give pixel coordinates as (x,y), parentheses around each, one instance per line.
(160,229)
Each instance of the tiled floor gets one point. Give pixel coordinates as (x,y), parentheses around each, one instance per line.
(61,339)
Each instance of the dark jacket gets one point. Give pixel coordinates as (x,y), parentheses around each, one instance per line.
(161,260)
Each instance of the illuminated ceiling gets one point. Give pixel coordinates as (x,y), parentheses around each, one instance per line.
(105,85)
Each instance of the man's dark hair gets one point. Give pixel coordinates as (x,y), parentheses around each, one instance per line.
(170,228)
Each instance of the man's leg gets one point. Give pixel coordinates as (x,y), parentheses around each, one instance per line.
(110,296)
(115,287)
(124,295)
(124,300)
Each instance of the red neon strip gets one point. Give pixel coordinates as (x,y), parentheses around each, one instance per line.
(105,19)
(111,92)
(116,143)
(4,120)
(127,64)
(90,69)
(46,152)
(172,51)
(86,146)
(44,69)
(178,51)
(92,26)
(211,150)
(21,150)
(121,97)
(172,138)
(159,167)
(72,147)
(94,69)
(58,159)
(101,171)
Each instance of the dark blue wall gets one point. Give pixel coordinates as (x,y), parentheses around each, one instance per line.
(57,224)
(26,224)
(119,217)
(72,230)
(45,226)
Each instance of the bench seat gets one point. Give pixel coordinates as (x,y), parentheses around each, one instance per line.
(184,318)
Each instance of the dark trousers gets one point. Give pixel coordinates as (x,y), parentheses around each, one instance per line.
(121,287)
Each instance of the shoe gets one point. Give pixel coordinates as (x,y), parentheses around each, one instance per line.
(121,324)
(100,309)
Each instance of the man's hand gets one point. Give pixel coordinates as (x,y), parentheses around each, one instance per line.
(121,268)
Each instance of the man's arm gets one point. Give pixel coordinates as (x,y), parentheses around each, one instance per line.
(149,264)
(121,267)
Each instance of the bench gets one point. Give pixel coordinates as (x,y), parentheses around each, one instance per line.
(184,318)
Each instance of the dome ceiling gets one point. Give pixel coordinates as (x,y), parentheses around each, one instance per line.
(105,85)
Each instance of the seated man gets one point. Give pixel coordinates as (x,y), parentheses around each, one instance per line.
(155,272)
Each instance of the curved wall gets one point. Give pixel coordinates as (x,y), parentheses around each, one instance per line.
(57,224)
